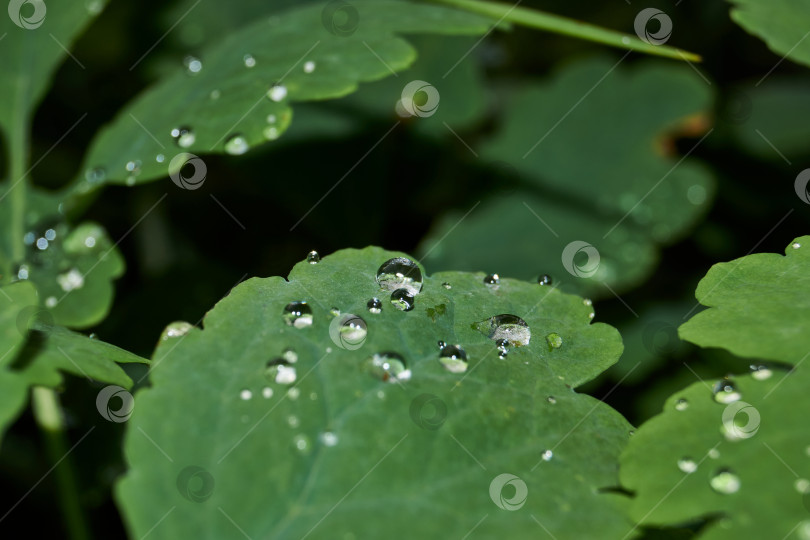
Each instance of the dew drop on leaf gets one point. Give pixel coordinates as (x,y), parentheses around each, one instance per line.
(267,392)
(277,92)
(193,65)
(183,136)
(95,175)
(453,358)
(245,394)
(309,66)
(802,485)
(552,400)
(313,257)
(280,371)
(447,285)
(329,438)
(687,465)
(402,299)
(236,145)
(547,455)
(388,367)
(726,482)
(725,391)
(400,273)
(441,344)
(507,327)
(492,279)
(249,60)
(271,133)
(554,341)
(681,405)
(301,443)
(298,314)
(175,330)
(374,305)
(290,355)
(761,372)
(545,279)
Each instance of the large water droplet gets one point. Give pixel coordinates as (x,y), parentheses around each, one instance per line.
(313,257)
(236,145)
(554,341)
(73,279)
(298,314)
(492,279)
(726,482)
(453,358)
(175,330)
(388,367)
(761,372)
(505,326)
(400,273)
(545,279)
(374,305)
(402,299)
(681,405)
(277,92)
(183,136)
(687,465)
(280,371)
(725,391)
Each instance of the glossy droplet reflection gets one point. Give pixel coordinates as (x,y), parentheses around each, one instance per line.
(374,305)
(492,279)
(176,330)
(277,92)
(761,372)
(726,482)
(313,257)
(298,314)
(453,358)
(400,273)
(402,299)
(725,391)
(554,341)
(687,465)
(236,145)
(183,136)
(681,405)
(280,371)
(545,279)
(507,327)
(388,367)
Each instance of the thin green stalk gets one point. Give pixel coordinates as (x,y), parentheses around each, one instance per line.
(569,27)
(51,421)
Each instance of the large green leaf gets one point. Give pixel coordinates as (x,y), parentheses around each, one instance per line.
(782,24)
(300,55)
(580,181)
(735,452)
(217,449)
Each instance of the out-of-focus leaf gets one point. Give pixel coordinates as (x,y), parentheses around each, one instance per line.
(782,24)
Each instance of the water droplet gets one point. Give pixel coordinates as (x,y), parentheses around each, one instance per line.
(441,344)
(552,400)
(236,145)
(554,341)
(545,279)
(447,285)
(505,326)
(761,372)
(802,485)
(400,273)
(503,347)
(28,238)
(160,158)
(293,393)
(334,311)
(290,355)
(215,94)
(348,332)
(245,394)
(271,133)
(22,272)
(193,65)
(796,245)
(714,453)
(492,279)
(176,329)
(681,405)
(547,455)
(183,136)
(726,482)
(803,530)
(388,367)
(133,167)
(51,301)
(587,301)
(73,279)
(293,421)
(267,392)
(298,314)
(277,92)
(50,235)
(453,358)
(313,257)
(374,305)
(402,299)
(95,175)
(90,241)
(309,66)
(328,438)
(42,244)
(687,465)
(249,60)
(725,391)
(301,443)
(280,371)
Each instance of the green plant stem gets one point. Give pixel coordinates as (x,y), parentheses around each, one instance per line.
(569,27)
(51,421)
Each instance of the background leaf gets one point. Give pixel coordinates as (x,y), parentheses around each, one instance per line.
(780,23)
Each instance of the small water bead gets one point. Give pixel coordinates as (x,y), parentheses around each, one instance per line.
(22,272)
(73,279)
(402,299)
(803,530)
(271,133)
(552,400)
(298,314)
(42,243)
(95,175)
(725,391)
(447,286)
(193,65)
(802,485)
(547,455)
(277,92)
(183,136)
(503,348)
(545,279)
(400,273)
(334,311)
(51,301)
(725,482)
(681,405)
(293,393)
(293,421)
(587,301)
(236,145)
(313,257)
(290,355)
(328,438)
(215,94)
(761,372)
(245,394)
(441,344)
(714,453)
(134,166)
(50,235)
(267,392)
(796,245)
(249,60)
(160,158)
(388,367)
(687,465)
(554,341)
(280,371)
(301,443)
(453,358)
(492,279)
(505,326)
(309,66)
(374,305)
